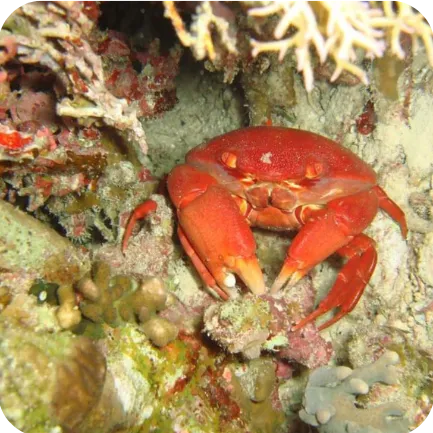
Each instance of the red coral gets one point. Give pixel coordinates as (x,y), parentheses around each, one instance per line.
(79,83)
(91,10)
(153,89)
(114,44)
(366,122)
(219,396)
(13,140)
(307,347)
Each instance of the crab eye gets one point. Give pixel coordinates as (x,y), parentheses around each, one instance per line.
(229,159)
(314,170)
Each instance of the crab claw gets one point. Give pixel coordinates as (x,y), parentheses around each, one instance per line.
(214,233)
(219,242)
(335,229)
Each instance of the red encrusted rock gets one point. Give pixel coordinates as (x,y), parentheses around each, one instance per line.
(255,324)
(152,88)
(307,347)
(91,10)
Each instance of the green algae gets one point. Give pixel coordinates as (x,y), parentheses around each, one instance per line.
(31,246)
(28,365)
(246,314)
(417,368)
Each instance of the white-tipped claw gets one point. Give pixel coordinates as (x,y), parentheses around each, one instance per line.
(230,280)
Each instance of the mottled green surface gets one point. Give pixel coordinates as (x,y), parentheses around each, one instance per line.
(29,245)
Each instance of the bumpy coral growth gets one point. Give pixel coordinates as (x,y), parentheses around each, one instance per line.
(208,19)
(334,30)
(152,90)
(117,299)
(330,399)
(254,324)
(58,40)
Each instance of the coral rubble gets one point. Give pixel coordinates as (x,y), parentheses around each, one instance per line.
(254,324)
(59,41)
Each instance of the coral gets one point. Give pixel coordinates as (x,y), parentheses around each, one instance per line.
(79,383)
(152,90)
(247,392)
(330,399)
(335,30)
(53,150)
(55,35)
(100,210)
(55,379)
(31,247)
(118,299)
(348,25)
(160,331)
(241,326)
(35,251)
(254,324)
(209,18)
(68,314)
(415,372)
(257,378)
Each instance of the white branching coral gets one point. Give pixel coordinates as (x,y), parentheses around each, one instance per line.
(199,38)
(56,35)
(336,30)
(406,20)
(346,27)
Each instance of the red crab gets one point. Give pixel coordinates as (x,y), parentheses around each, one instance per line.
(279,179)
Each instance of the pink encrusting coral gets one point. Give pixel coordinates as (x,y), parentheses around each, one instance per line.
(66,105)
(252,325)
(152,89)
(40,155)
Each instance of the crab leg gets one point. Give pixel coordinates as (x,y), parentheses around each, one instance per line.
(205,275)
(392,209)
(137,214)
(351,281)
(325,232)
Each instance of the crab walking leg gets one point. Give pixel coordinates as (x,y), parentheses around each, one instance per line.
(336,228)
(199,265)
(392,209)
(215,228)
(137,214)
(350,283)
